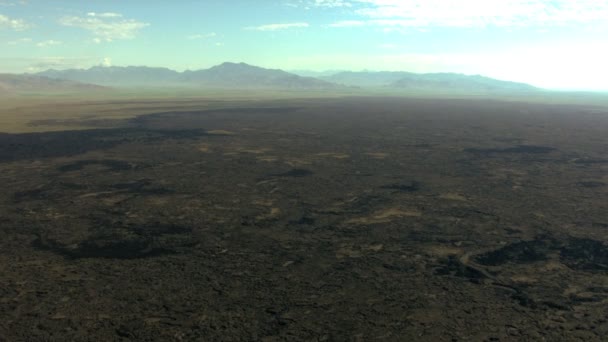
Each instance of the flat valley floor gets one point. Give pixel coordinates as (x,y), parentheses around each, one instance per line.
(351,219)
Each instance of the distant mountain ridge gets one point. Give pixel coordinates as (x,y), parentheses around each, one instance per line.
(226,75)
(401,80)
(127,76)
(10,84)
(244,76)
(231,75)
(367,78)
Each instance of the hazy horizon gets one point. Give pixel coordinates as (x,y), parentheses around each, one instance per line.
(549,44)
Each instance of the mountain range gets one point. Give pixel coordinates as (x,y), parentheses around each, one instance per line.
(226,75)
(446,81)
(244,76)
(10,84)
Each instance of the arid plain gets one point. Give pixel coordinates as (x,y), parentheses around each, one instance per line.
(351,218)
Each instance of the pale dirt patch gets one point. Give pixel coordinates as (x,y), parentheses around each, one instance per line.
(268,159)
(158,201)
(113,200)
(352,251)
(220,132)
(96,194)
(263,202)
(377,155)
(274,213)
(295,162)
(452,197)
(385,215)
(553,266)
(335,155)
(153,320)
(348,252)
(444,251)
(396,212)
(572,290)
(524,279)
(260,150)
(374,248)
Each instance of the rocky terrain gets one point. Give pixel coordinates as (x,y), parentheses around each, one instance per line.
(355,219)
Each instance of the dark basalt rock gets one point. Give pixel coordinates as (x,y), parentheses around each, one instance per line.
(529,149)
(403,187)
(294,173)
(523,252)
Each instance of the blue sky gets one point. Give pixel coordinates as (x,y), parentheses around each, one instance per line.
(558,44)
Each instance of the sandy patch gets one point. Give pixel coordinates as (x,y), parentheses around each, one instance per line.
(385,215)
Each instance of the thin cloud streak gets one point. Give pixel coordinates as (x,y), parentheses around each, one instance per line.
(105,26)
(476,13)
(276,27)
(13,24)
(48,43)
(201,36)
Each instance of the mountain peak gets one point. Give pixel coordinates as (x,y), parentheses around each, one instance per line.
(233,65)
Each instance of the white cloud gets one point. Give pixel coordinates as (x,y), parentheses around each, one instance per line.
(105,26)
(276,27)
(20,41)
(202,36)
(11,4)
(107,62)
(309,4)
(48,43)
(104,15)
(477,13)
(14,24)
(349,23)
(44,63)
(331,3)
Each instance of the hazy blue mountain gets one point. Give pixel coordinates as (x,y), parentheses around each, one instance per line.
(450,81)
(316,74)
(226,75)
(440,81)
(366,78)
(241,75)
(117,76)
(10,83)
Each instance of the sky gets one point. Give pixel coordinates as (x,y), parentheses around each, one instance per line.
(556,44)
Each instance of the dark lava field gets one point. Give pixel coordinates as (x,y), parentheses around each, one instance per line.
(353,219)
